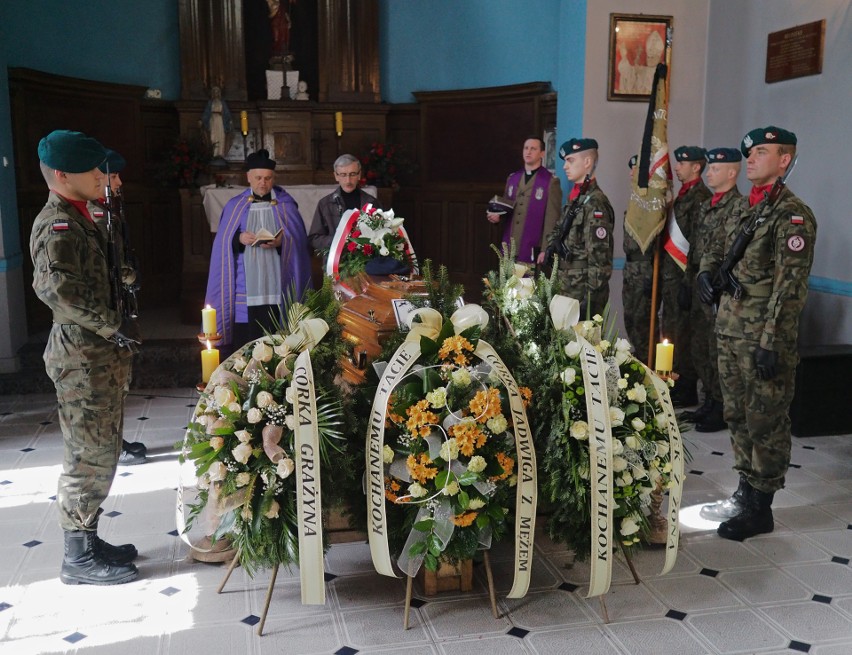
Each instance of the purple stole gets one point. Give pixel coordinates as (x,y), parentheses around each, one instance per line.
(534,220)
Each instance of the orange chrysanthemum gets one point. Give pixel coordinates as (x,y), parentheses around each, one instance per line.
(391,487)
(526,395)
(508,465)
(456,345)
(420,467)
(465,519)
(485,404)
(468,437)
(420,419)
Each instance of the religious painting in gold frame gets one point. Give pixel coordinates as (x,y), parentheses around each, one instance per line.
(637,43)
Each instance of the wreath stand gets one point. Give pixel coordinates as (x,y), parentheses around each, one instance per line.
(634,573)
(486,559)
(266,604)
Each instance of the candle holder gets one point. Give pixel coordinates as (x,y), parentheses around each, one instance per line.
(214,339)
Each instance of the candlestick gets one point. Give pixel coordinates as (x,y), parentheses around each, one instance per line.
(244,122)
(338,123)
(208,320)
(665,356)
(209,362)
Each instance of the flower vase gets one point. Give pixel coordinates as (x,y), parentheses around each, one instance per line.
(450,576)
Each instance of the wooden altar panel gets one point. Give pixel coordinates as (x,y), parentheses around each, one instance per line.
(289,133)
(349,51)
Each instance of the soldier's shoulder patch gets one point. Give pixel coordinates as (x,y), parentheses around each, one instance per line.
(98,213)
(796,243)
(598,213)
(59,226)
(797,220)
(600,233)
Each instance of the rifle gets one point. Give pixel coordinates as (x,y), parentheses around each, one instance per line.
(725,279)
(559,247)
(131,302)
(123,301)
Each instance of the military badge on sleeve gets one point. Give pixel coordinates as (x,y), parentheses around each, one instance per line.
(600,233)
(59,226)
(796,243)
(797,220)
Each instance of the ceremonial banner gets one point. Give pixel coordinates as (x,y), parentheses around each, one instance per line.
(650,191)
(309,498)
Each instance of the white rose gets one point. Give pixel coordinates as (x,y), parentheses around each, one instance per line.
(242,453)
(387,454)
(254,415)
(451,489)
(638,424)
(617,447)
(639,473)
(579,430)
(622,345)
(243,435)
(660,420)
(632,441)
(272,512)
(417,490)
(264,399)
(625,479)
(262,352)
(285,467)
(616,416)
(568,376)
(449,449)
(223,396)
(217,472)
(629,526)
(572,349)
(621,357)
(476,503)
(243,479)
(290,422)
(637,393)
(216,442)
(240,364)
(662,448)
(619,464)
(654,476)
(476,464)
(234,408)
(288,395)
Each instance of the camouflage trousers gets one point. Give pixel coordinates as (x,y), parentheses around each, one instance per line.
(637,305)
(705,356)
(757,411)
(674,323)
(574,284)
(91,415)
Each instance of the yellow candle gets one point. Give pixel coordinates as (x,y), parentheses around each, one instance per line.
(209,362)
(244,122)
(208,320)
(665,356)
(338,123)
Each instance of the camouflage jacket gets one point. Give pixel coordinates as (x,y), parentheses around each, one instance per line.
(71,277)
(709,228)
(589,241)
(774,272)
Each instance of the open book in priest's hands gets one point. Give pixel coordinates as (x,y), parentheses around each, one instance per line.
(501,205)
(264,236)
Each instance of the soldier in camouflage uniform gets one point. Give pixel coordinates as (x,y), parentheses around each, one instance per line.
(676,287)
(83,357)
(585,274)
(758,332)
(636,290)
(723,167)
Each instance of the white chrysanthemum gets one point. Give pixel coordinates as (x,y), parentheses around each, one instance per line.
(616,416)
(437,398)
(497,424)
(572,349)
(568,375)
(254,415)
(243,435)
(461,377)
(285,467)
(264,399)
(216,442)
(451,489)
(240,364)
(579,430)
(417,490)
(619,464)
(476,464)
(223,396)
(638,424)
(242,453)
(476,503)
(272,512)
(387,454)
(217,472)
(243,479)
(637,393)
(449,450)
(622,383)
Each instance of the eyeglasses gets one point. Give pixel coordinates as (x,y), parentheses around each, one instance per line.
(351,176)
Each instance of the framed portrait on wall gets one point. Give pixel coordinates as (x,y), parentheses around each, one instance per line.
(236,152)
(637,43)
(549,139)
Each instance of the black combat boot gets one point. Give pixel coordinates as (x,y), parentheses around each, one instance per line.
(714,420)
(755,519)
(135,447)
(132,453)
(698,414)
(723,510)
(118,555)
(82,566)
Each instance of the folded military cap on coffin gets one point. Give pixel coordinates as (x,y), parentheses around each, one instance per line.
(632,161)
(70,152)
(724,156)
(114,163)
(576,145)
(690,153)
(260,159)
(771,134)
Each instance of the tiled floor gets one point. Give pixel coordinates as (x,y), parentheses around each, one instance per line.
(787,592)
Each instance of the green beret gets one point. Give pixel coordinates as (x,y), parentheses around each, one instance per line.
(576,145)
(70,152)
(632,161)
(724,156)
(690,153)
(771,134)
(114,163)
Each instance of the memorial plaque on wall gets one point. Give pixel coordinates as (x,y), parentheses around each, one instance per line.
(795,52)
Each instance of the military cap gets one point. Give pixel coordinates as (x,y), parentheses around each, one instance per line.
(771,134)
(70,152)
(576,145)
(260,159)
(632,161)
(114,163)
(723,156)
(690,153)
